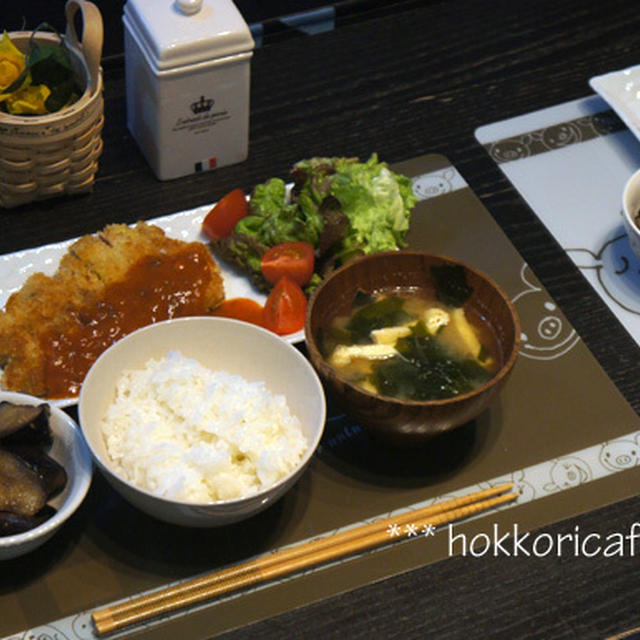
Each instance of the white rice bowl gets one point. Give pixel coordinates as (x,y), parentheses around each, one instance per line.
(210,434)
(185,432)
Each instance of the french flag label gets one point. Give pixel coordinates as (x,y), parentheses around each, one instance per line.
(205,165)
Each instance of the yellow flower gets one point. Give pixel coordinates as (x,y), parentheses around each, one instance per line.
(27,100)
(11,62)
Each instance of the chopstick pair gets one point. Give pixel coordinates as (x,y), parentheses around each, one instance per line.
(295,558)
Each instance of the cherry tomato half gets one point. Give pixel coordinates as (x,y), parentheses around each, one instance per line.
(241,309)
(225,214)
(292,259)
(285,308)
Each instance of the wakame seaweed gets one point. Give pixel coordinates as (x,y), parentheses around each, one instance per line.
(451,284)
(424,371)
(385,312)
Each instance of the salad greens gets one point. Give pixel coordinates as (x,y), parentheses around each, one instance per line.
(341,206)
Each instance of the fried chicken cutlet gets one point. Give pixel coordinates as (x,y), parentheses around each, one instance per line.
(105,286)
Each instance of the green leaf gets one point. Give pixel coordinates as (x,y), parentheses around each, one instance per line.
(49,64)
(62,94)
(17,84)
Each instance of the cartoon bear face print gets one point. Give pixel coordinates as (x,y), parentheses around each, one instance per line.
(619,454)
(617,269)
(561,135)
(82,627)
(434,184)
(511,149)
(520,483)
(568,472)
(523,487)
(47,632)
(546,335)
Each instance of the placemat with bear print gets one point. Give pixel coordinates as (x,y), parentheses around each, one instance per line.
(570,163)
(560,431)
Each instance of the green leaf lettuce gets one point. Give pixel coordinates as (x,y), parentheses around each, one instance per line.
(341,206)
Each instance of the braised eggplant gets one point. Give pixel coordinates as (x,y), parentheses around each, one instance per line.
(24,424)
(11,523)
(29,477)
(52,475)
(23,491)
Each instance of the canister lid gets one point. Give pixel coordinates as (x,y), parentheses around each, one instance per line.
(176,34)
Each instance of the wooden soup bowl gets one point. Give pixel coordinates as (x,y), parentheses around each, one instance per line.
(406,421)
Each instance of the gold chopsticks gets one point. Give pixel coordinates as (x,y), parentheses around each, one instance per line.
(295,558)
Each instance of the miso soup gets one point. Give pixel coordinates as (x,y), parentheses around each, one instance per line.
(409,345)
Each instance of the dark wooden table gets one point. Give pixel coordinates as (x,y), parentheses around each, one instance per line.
(406,82)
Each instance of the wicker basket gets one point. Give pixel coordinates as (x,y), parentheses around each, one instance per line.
(56,154)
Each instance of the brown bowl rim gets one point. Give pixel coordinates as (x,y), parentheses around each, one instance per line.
(502,373)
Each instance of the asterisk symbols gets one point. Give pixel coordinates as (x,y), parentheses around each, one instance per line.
(410,530)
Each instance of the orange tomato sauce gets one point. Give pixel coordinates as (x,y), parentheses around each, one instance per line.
(155,289)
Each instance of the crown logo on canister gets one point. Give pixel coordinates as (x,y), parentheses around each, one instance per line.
(202,105)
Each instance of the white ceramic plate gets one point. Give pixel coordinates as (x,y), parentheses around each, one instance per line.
(16,267)
(621,89)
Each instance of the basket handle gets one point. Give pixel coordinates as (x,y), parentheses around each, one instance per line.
(92,35)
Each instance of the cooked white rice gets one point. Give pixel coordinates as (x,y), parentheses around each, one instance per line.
(187,433)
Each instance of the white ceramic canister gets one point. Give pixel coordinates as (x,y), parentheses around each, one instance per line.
(187,67)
